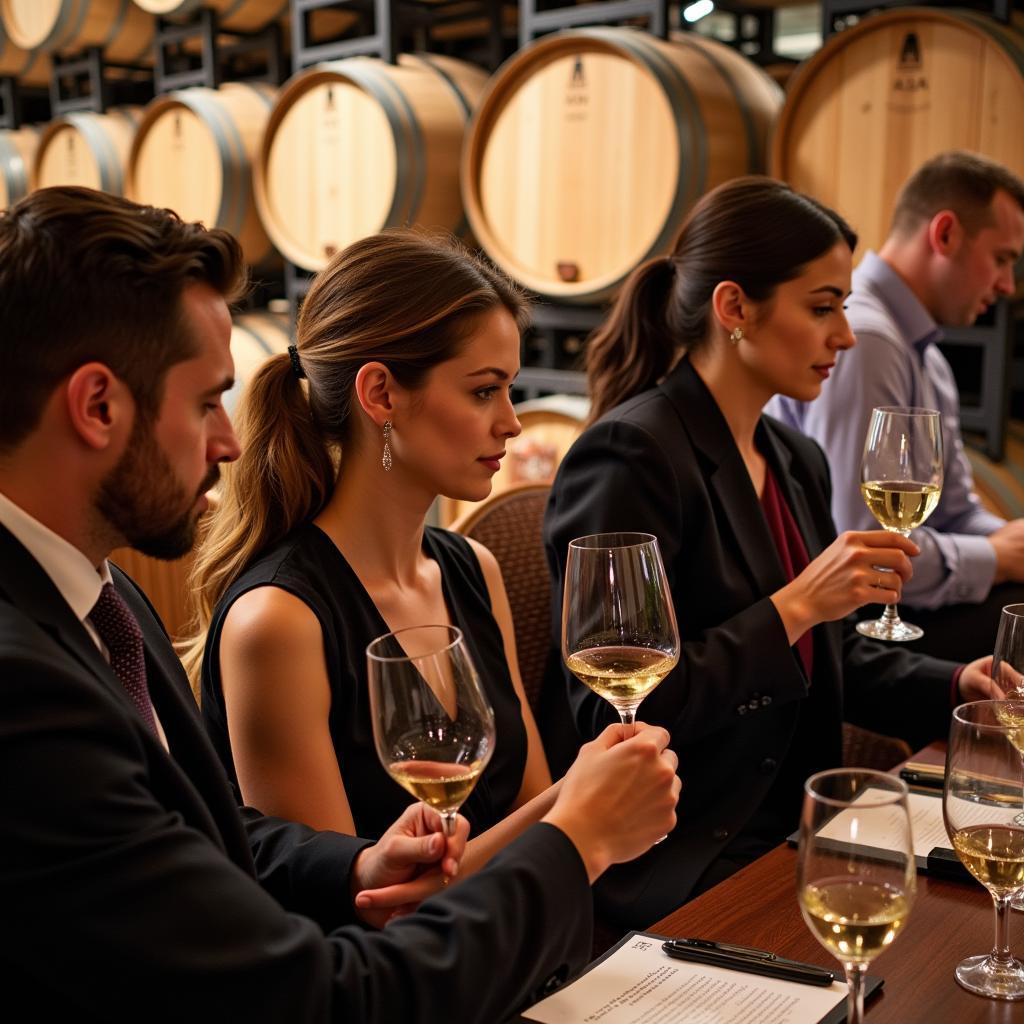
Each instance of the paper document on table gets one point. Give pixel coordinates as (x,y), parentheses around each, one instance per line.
(639,983)
(927,826)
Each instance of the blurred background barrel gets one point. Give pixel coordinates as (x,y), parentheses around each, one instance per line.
(359,145)
(17,149)
(255,337)
(590,146)
(121,29)
(86,149)
(232,15)
(193,153)
(879,99)
(29,66)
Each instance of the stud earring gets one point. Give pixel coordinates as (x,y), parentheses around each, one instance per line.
(736,336)
(386,457)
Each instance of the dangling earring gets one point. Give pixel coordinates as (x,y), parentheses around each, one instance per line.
(386,457)
(736,336)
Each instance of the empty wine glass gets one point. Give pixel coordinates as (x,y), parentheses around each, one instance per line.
(855,898)
(901,481)
(432,726)
(619,633)
(983,796)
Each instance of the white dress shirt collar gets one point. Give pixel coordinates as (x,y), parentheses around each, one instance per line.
(78,580)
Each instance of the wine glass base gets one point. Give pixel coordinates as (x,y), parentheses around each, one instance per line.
(898,631)
(984,977)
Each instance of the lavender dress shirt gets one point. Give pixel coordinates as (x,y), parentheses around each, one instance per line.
(896,362)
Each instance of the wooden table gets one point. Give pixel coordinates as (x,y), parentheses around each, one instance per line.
(949,921)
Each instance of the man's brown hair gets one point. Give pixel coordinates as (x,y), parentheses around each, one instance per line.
(965,183)
(88,276)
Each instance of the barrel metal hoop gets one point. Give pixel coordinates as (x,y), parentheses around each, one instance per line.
(409,169)
(102,148)
(116,24)
(235,191)
(754,147)
(12,168)
(66,25)
(692,145)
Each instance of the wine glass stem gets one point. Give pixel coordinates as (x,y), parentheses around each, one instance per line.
(628,716)
(1001,952)
(891,615)
(855,974)
(448,822)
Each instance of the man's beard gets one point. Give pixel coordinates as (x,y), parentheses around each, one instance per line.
(143,500)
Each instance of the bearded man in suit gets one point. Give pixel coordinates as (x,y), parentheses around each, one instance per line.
(133,886)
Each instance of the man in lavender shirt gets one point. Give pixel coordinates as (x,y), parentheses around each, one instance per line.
(957,231)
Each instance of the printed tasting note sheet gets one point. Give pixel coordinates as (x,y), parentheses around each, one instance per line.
(639,983)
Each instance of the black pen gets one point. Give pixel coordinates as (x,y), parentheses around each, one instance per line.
(926,780)
(748,960)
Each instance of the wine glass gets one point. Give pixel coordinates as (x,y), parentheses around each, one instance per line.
(983,795)
(855,898)
(1008,673)
(432,726)
(901,480)
(619,633)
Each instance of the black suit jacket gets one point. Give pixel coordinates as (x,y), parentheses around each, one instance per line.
(665,463)
(128,878)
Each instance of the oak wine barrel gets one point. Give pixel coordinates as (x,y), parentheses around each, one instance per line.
(359,145)
(254,338)
(590,146)
(233,15)
(17,148)
(118,27)
(193,153)
(86,149)
(29,66)
(879,99)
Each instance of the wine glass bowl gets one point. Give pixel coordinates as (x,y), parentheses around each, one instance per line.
(855,899)
(982,801)
(901,482)
(619,633)
(432,726)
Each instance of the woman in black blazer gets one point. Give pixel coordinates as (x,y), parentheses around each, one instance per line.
(749,304)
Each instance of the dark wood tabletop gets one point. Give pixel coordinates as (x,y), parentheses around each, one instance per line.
(950,920)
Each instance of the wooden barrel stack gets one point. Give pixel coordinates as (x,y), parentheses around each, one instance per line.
(359,145)
(33,67)
(193,153)
(17,149)
(879,99)
(590,146)
(119,27)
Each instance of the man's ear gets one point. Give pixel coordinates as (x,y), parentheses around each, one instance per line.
(375,387)
(945,233)
(99,405)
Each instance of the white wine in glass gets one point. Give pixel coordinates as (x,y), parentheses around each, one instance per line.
(901,481)
(855,901)
(981,803)
(432,726)
(619,633)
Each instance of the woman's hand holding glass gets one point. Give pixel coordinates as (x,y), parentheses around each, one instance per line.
(854,901)
(619,633)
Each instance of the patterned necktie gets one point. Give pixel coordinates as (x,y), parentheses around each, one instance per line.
(121,632)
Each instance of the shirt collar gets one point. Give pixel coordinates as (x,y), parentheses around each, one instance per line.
(78,580)
(915,323)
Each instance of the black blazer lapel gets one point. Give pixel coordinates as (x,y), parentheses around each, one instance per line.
(27,586)
(726,474)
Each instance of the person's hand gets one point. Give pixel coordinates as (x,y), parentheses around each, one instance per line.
(976,682)
(618,797)
(410,862)
(847,574)
(1008,542)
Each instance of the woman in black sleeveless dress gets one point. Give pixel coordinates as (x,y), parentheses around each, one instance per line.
(397,391)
